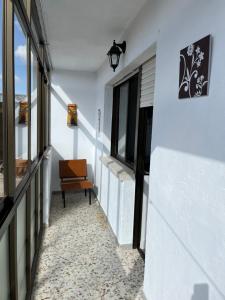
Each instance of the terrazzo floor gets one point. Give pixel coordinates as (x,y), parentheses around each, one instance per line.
(80,259)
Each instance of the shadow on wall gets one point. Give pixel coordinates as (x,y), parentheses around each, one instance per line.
(201,292)
(87,129)
(81,126)
(90,132)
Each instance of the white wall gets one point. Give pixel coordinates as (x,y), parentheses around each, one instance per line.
(186,224)
(117,199)
(73,142)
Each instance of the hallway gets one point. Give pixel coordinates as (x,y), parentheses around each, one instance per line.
(80,259)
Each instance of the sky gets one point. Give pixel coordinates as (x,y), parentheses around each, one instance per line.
(19,56)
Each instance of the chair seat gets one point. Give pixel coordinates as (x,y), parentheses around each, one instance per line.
(76,185)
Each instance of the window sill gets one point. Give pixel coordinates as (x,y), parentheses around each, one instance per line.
(117,168)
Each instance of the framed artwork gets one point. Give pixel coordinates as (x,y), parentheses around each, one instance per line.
(72,115)
(194,69)
(23,113)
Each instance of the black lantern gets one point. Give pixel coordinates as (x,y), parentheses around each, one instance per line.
(114,54)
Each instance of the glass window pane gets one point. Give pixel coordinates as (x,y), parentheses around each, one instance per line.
(1,105)
(4,269)
(33,106)
(21,248)
(33,198)
(123,107)
(21,101)
(131,119)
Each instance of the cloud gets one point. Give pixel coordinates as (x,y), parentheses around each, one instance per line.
(21,52)
(0,76)
(17,78)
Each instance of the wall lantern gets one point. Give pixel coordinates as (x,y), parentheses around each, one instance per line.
(114,54)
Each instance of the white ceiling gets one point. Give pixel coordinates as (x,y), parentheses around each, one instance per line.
(80,32)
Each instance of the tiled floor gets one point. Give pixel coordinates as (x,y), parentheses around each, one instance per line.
(80,258)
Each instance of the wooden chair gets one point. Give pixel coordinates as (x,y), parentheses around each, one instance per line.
(73,175)
(21,167)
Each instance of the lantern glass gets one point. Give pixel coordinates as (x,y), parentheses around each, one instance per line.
(115,60)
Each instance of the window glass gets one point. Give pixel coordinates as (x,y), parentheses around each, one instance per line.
(1,106)
(123,106)
(21,100)
(21,248)
(131,121)
(124,120)
(33,106)
(33,198)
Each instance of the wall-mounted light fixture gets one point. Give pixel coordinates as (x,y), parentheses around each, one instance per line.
(114,54)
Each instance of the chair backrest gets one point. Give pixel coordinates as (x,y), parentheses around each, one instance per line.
(73,168)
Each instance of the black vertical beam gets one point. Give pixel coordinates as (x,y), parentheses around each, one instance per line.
(139,177)
(138,168)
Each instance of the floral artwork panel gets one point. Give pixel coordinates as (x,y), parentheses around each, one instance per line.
(194,69)
(23,113)
(72,115)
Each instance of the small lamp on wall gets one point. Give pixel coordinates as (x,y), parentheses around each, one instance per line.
(114,54)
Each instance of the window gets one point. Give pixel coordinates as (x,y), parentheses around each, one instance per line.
(1,107)
(34,115)
(124,120)
(21,100)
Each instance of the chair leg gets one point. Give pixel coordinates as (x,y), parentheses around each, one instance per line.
(85,191)
(89,196)
(64,198)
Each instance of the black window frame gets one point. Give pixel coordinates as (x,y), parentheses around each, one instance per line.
(115,120)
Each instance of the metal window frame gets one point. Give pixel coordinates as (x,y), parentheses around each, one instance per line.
(14,195)
(115,120)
